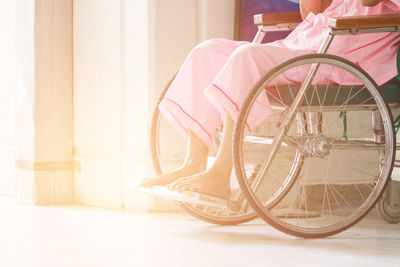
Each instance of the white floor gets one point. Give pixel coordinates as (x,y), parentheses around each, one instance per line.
(83,236)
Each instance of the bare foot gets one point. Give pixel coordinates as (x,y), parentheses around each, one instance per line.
(169,177)
(211,182)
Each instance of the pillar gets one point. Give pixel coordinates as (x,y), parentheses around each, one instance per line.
(43,63)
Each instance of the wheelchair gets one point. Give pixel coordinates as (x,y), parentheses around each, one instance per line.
(323,158)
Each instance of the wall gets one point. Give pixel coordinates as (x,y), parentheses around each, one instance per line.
(124,52)
(97,98)
(7,98)
(43,110)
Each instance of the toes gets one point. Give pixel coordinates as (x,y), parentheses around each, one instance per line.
(146,183)
(170,187)
(173,186)
(180,185)
(184,185)
(194,188)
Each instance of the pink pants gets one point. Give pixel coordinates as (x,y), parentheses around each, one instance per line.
(215,78)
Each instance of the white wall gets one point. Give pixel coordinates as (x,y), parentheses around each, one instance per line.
(97,99)
(215,19)
(180,25)
(35,100)
(137,77)
(43,116)
(7,98)
(124,52)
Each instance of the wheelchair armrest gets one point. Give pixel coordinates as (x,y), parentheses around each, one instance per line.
(365,22)
(277,18)
(278,21)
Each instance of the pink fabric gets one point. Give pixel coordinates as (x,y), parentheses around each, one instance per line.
(217,74)
(185,104)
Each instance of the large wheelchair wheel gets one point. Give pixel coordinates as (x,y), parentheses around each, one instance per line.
(326,176)
(168,152)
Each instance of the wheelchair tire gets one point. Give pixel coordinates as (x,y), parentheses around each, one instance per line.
(168,152)
(388,213)
(389,205)
(345,163)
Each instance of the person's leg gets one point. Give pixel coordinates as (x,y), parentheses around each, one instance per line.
(216,180)
(195,162)
(241,72)
(187,108)
(185,105)
(232,72)
(227,91)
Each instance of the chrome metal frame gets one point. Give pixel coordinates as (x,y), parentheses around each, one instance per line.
(355,31)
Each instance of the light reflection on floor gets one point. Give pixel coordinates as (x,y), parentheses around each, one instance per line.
(83,236)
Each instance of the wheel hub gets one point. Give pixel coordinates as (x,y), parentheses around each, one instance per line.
(317,146)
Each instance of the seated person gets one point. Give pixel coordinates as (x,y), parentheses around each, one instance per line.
(217,75)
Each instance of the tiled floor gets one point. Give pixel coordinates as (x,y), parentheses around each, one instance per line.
(83,236)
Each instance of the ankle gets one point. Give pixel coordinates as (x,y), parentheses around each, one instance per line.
(222,167)
(195,165)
